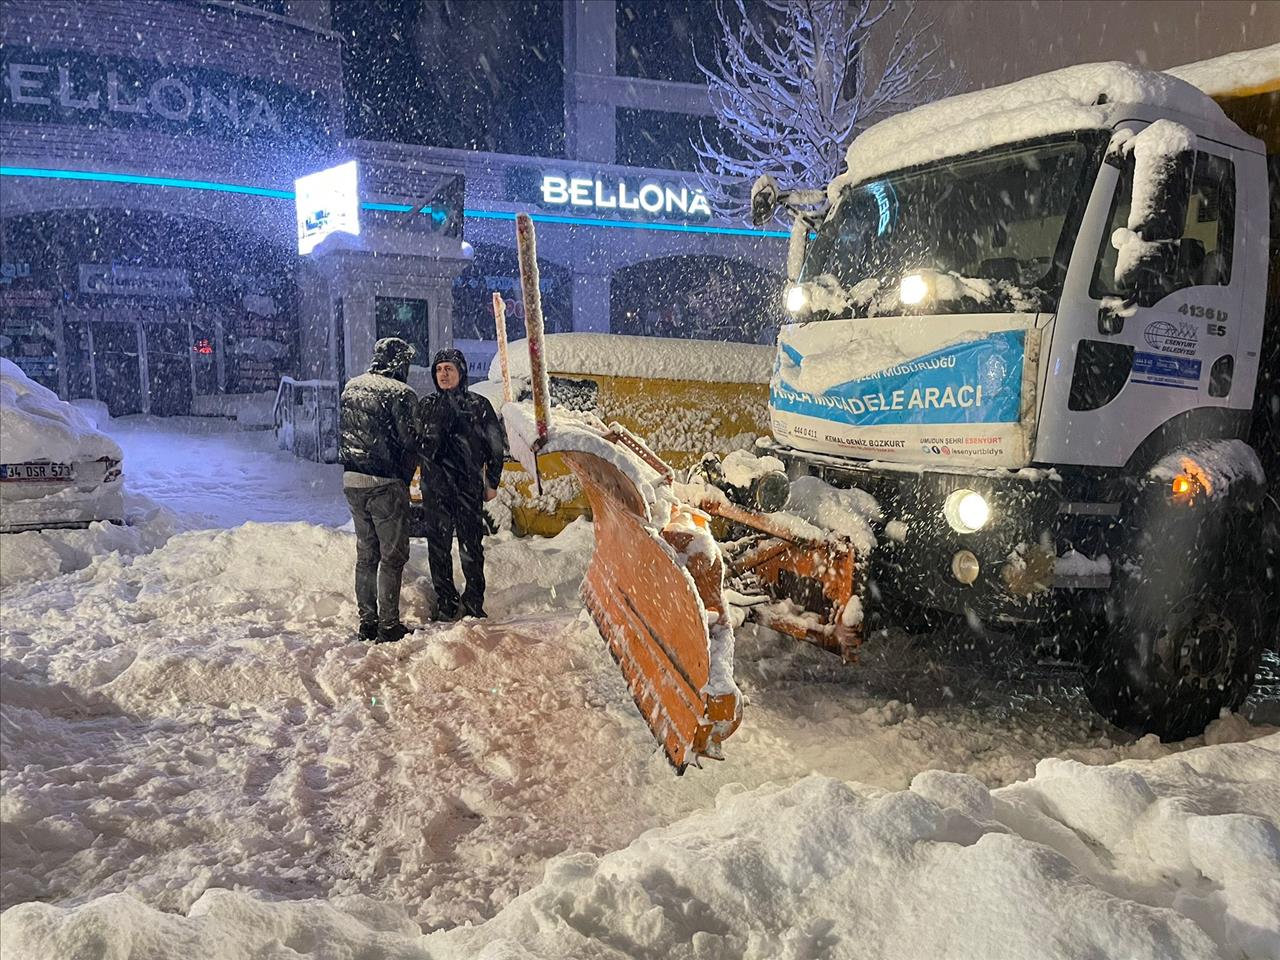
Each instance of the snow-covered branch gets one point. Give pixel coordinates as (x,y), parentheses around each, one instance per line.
(793,84)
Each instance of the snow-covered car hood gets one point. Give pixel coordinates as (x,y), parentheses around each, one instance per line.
(36,425)
(948,389)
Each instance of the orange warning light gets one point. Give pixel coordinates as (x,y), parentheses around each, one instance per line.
(1184,487)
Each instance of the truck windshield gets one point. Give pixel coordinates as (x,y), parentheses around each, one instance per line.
(1006,219)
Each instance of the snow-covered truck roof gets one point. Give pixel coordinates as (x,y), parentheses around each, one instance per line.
(1084,97)
(651,358)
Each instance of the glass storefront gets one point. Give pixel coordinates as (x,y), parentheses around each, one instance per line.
(143,311)
(497,268)
(29,337)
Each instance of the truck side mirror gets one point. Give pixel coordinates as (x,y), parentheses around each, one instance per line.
(765,197)
(1159,162)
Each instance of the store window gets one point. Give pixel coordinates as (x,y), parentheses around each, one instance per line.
(697,297)
(406,319)
(496,268)
(657,39)
(660,139)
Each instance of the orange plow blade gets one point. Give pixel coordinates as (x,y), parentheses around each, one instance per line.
(656,599)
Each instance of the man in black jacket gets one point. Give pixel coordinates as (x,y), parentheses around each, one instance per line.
(458,476)
(380,446)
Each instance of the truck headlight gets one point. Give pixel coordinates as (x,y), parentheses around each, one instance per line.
(797,299)
(966,511)
(913,289)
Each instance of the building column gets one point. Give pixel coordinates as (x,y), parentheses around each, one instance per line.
(317,360)
(591,302)
(590,51)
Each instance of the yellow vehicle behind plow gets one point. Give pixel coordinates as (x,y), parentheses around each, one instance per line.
(642,383)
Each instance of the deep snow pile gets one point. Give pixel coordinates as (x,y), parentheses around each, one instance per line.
(179,473)
(189,730)
(43,554)
(1176,858)
(201,716)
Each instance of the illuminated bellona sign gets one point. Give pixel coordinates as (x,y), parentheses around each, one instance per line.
(616,194)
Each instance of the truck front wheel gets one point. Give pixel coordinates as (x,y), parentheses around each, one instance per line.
(1171,668)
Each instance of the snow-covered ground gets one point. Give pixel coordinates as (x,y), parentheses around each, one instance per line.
(222,476)
(200,761)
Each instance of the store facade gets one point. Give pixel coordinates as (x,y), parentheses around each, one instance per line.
(149,240)
(148,229)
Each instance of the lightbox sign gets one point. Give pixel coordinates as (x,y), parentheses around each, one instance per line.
(327,202)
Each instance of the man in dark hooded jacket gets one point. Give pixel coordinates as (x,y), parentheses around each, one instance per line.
(382,440)
(459,474)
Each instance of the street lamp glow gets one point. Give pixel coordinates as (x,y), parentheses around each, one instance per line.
(797,299)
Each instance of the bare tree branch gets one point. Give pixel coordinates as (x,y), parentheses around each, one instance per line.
(793,86)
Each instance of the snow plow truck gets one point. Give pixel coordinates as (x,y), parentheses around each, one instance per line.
(1034,350)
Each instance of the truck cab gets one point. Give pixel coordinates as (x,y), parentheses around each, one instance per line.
(1038,340)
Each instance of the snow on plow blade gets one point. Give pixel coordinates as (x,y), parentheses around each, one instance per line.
(655,595)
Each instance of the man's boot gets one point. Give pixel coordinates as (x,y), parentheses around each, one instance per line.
(369,631)
(446,614)
(392,634)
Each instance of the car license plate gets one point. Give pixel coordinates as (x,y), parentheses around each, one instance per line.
(36,471)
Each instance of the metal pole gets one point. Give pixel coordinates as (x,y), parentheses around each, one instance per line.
(500,321)
(527,248)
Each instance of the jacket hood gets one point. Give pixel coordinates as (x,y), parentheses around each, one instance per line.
(391,357)
(455,357)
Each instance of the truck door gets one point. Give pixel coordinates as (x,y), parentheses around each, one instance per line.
(1124,363)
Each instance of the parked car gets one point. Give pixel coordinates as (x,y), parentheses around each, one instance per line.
(56,468)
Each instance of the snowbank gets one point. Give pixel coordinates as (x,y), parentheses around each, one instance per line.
(1234,73)
(44,554)
(618,355)
(200,760)
(202,716)
(36,425)
(1175,858)
(1075,98)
